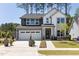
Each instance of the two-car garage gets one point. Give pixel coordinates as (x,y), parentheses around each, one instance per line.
(25,34)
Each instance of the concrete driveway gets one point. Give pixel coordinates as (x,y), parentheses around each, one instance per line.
(20,48)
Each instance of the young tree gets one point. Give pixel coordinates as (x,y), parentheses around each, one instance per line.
(8,27)
(63,26)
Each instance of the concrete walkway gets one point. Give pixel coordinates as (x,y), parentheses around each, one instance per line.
(50,45)
(20,48)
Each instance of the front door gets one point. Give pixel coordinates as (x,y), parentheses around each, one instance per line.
(47,33)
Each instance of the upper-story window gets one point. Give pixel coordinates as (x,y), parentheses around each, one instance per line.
(47,20)
(60,20)
(27,21)
(32,22)
(37,21)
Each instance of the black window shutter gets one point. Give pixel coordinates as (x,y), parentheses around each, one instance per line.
(23,22)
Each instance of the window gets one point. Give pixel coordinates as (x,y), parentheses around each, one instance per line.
(27,32)
(22,32)
(58,32)
(62,33)
(37,21)
(32,32)
(32,21)
(27,21)
(47,21)
(37,32)
(62,20)
(58,20)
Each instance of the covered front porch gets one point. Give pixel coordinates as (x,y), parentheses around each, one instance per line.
(48,31)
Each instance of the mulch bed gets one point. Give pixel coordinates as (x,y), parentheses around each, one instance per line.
(43,44)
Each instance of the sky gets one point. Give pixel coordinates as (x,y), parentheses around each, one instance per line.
(9,12)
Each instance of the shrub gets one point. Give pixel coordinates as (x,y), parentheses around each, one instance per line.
(55,38)
(31,42)
(52,38)
(68,37)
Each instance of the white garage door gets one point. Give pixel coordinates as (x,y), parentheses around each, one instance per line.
(25,34)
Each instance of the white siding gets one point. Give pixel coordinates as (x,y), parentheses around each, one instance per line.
(54,20)
(48,15)
(54,14)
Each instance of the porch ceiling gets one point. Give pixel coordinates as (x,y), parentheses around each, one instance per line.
(48,25)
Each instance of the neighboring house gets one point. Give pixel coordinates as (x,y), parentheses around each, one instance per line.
(41,25)
(74,32)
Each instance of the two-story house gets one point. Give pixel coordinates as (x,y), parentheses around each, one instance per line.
(40,26)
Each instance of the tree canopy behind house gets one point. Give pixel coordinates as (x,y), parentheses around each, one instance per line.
(43,7)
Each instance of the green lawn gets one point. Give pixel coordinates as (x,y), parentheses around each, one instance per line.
(66,44)
(59,52)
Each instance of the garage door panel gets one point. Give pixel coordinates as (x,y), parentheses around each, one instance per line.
(36,35)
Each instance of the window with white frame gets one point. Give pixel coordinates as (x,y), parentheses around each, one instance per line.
(37,21)
(32,22)
(59,33)
(60,20)
(47,21)
(27,21)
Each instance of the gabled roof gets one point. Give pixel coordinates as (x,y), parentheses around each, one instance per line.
(40,15)
(55,12)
